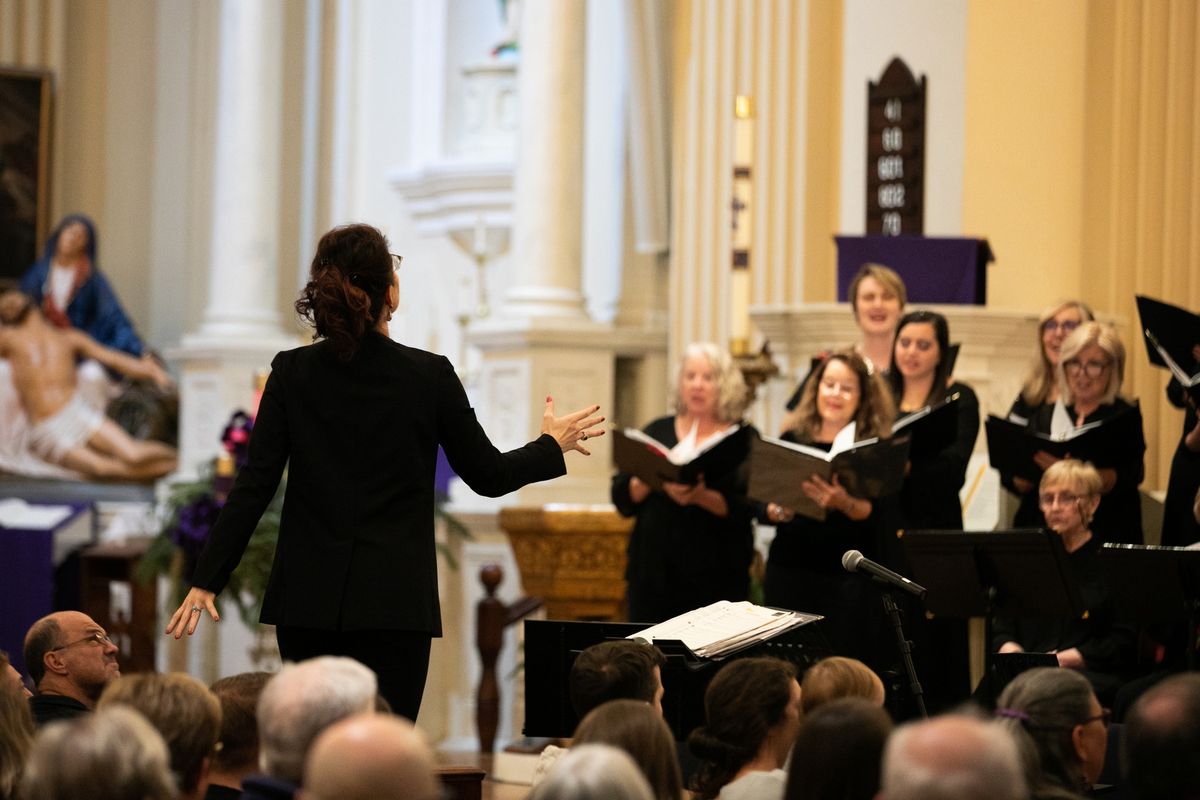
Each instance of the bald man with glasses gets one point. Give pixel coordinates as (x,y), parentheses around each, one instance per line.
(70,660)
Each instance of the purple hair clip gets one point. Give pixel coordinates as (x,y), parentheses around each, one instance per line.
(1012,713)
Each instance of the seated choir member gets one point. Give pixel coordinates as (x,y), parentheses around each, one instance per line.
(1060,728)
(752,714)
(640,730)
(838,751)
(710,522)
(1090,370)
(1098,647)
(842,404)
(1181,510)
(920,377)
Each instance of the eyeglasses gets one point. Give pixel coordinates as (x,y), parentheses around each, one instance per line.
(1062,498)
(1054,326)
(1092,369)
(99,637)
(1104,717)
(396,261)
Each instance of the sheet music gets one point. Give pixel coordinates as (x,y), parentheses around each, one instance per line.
(725,626)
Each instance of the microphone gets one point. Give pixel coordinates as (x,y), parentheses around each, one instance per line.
(854,561)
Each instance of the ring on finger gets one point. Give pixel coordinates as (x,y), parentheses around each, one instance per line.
(583,436)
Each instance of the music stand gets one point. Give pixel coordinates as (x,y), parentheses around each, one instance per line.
(1155,584)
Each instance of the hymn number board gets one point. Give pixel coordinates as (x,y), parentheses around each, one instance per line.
(896,152)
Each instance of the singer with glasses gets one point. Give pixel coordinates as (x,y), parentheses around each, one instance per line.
(1039,391)
(1098,647)
(842,404)
(357,418)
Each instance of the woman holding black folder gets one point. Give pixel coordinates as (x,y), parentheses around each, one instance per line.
(842,404)
(1181,526)
(920,378)
(691,545)
(1090,372)
(1038,392)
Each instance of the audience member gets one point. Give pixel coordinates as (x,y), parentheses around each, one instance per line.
(1161,741)
(952,757)
(640,730)
(625,669)
(16,729)
(594,772)
(70,660)
(296,705)
(237,756)
(112,755)
(9,671)
(371,757)
(838,751)
(838,677)
(752,713)
(1060,727)
(185,713)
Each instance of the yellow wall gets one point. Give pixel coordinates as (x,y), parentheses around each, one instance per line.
(1024,146)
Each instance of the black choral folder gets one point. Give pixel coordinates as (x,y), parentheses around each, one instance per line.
(933,428)
(1012,445)
(1171,334)
(870,469)
(649,459)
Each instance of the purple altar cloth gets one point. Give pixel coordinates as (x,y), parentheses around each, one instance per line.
(935,269)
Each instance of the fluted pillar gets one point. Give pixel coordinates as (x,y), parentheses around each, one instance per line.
(241,329)
(548,216)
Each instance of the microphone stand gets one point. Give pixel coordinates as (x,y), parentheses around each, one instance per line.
(914,684)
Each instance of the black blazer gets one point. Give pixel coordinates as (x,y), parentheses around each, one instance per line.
(359,438)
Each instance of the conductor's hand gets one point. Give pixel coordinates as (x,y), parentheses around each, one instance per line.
(187,616)
(571,429)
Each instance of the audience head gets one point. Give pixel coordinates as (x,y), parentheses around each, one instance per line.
(301,701)
(1059,724)
(708,384)
(353,284)
(238,696)
(843,388)
(1055,324)
(625,669)
(114,754)
(371,757)
(920,350)
(1069,495)
(877,296)
(838,751)
(1091,365)
(639,730)
(69,654)
(185,713)
(16,727)
(838,677)
(594,772)
(952,757)
(1161,741)
(74,235)
(751,708)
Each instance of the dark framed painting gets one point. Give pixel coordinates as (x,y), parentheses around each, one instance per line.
(25,102)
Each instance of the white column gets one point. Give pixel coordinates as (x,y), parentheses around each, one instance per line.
(549,175)
(241,329)
(243,283)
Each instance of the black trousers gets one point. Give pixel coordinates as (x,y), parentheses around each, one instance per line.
(399,659)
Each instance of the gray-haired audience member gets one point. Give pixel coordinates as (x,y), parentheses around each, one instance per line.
(594,772)
(952,757)
(371,757)
(299,703)
(114,754)
(1161,741)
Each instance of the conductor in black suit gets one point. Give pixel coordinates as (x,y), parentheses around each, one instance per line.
(357,419)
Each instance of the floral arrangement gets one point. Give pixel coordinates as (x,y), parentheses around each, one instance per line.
(191,509)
